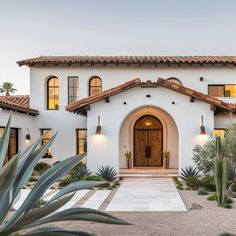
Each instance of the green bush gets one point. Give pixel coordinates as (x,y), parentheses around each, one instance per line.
(193,182)
(41,167)
(94,178)
(202,191)
(212,197)
(66,181)
(108,173)
(233,187)
(189,171)
(178,184)
(208,183)
(33,179)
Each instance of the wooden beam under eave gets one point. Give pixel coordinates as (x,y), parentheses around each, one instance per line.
(213,108)
(192,99)
(87,108)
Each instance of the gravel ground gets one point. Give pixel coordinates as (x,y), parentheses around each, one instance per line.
(209,220)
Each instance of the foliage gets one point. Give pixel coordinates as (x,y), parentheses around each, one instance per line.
(233,187)
(82,172)
(226,234)
(208,182)
(202,191)
(66,181)
(128,154)
(107,172)
(178,184)
(15,174)
(32,179)
(193,182)
(41,167)
(94,178)
(204,155)
(7,88)
(220,174)
(212,197)
(189,171)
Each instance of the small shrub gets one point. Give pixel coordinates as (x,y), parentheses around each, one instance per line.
(229,200)
(212,197)
(33,179)
(94,178)
(189,172)
(41,167)
(208,183)
(82,172)
(227,205)
(226,234)
(178,184)
(107,172)
(202,191)
(52,187)
(233,187)
(28,185)
(193,182)
(66,181)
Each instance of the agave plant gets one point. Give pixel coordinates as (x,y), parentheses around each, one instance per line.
(189,171)
(82,172)
(107,172)
(15,174)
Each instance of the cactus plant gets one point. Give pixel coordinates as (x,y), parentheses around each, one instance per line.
(220,174)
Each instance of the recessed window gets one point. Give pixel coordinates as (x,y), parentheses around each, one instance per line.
(95,86)
(174,80)
(219,132)
(81,141)
(224,90)
(53,93)
(47,135)
(73,89)
(13,143)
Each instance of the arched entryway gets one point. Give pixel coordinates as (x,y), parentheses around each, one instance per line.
(148,142)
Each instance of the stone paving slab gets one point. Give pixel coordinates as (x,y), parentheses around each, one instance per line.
(147,194)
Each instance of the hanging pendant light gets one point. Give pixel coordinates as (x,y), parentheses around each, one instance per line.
(148,121)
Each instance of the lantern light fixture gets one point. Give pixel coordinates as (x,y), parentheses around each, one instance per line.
(202,128)
(27,136)
(99,128)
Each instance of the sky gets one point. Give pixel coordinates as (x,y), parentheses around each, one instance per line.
(30,28)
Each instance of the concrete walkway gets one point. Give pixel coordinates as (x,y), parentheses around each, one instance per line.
(134,194)
(147,194)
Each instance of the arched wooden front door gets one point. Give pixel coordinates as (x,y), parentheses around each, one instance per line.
(148,142)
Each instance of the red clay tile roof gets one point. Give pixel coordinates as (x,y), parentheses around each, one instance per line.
(81,105)
(19,103)
(44,60)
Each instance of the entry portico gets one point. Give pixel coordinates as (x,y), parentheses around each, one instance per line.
(175,109)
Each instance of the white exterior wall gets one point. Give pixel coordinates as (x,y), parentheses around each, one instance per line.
(104,149)
(19,121)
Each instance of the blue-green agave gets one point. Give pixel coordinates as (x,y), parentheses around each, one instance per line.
(15,174)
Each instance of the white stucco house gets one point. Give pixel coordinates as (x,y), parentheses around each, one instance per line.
(110,104)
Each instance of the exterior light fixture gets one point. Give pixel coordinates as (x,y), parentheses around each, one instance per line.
(99,128)
(27,136)
(202,128)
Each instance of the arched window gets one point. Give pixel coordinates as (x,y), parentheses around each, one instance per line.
(53,99)
(95,86)
(175,80)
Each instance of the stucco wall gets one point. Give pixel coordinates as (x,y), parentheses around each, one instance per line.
(104,149)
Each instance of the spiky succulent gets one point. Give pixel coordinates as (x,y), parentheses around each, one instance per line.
(189,171)
(15,174)
(107,172)
(82,172)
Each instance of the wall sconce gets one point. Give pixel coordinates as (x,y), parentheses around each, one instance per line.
(202,128)
(27,136)
(99,128)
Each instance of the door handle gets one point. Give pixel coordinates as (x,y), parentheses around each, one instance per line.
(148,152)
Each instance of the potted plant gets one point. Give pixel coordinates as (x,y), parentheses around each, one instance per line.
(166,157)
(128,155)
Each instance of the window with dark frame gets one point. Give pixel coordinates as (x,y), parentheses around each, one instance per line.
(73,89)
(53,99)
(13,143)
(46,138)
(95,86)
(222,90)
(81,141)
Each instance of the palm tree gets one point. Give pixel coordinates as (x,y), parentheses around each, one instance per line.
(7,87)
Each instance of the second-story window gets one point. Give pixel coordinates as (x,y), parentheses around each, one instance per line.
(222,90)
(73,89)
(53,99)
(95,86)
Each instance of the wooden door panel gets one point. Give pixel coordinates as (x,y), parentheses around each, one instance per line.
(140,137)
(155,141)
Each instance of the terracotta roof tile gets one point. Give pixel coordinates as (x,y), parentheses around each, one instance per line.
(44,60)
(79,106)
(19,103)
